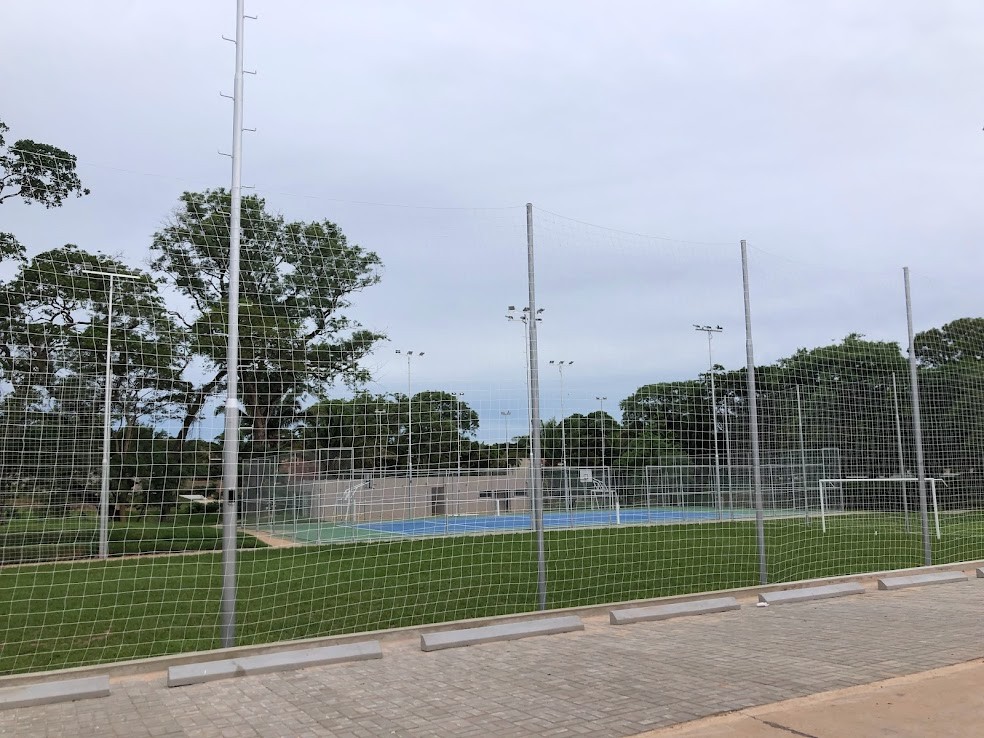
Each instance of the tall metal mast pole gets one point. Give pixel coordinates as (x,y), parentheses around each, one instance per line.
(753,420)
(536,461)
(917,425)
(230,452)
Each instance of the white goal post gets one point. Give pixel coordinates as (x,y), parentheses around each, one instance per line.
(882,480)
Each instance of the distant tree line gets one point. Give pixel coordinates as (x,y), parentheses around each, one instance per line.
(300,348)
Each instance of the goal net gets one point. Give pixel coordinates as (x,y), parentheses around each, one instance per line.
(898,495)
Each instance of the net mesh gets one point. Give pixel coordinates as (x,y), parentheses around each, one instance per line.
(384,458)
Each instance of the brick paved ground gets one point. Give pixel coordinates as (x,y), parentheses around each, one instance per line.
(606,681)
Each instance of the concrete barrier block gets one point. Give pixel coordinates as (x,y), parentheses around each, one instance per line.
(491,633)
(48,693)
(199,673)
(980,573)
(289,660)
(675,610)
(921,580)
(805,594)
(266,663)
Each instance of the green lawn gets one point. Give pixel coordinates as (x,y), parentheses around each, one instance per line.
(61,615)
(33,540)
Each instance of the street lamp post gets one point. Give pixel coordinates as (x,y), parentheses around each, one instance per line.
(410,355)
(710,331)
(107,413)
(568,500)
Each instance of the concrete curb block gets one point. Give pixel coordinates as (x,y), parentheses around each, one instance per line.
(209,671)
(921,580)
(48,693)
(665,612)
(492,633)
(805,594)
(980,573)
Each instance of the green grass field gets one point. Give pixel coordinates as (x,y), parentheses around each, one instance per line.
(33,540)
(61,615)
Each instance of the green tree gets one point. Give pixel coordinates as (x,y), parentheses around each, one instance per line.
(678,411)
(375,428)
(442,426)
(35,173)
(296,281)
(590,439)
(366,424)
(650,449)
(153,468)
(54,354)
(958,341)
(951,379)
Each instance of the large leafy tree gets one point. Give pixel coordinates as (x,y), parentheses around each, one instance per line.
(961,340)
(845,392)
(442,426)
(34,173)
(678,411)
(37,172)
(53,356)
(374,431)
(296,283)
(590,439)
(951,380)
(359,431)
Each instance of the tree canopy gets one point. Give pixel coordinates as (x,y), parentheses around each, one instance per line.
(296,338)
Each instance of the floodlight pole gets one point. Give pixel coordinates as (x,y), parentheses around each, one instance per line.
(457,491)
(568,501)
(107,412)
(409,355)
(230,451)
(710,331)
(536,465)
(917,425)
(505,416)
(753,420)
(601,404)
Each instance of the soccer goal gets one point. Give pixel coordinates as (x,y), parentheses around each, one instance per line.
(841,493)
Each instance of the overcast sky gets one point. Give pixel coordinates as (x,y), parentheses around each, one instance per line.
(842,139)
